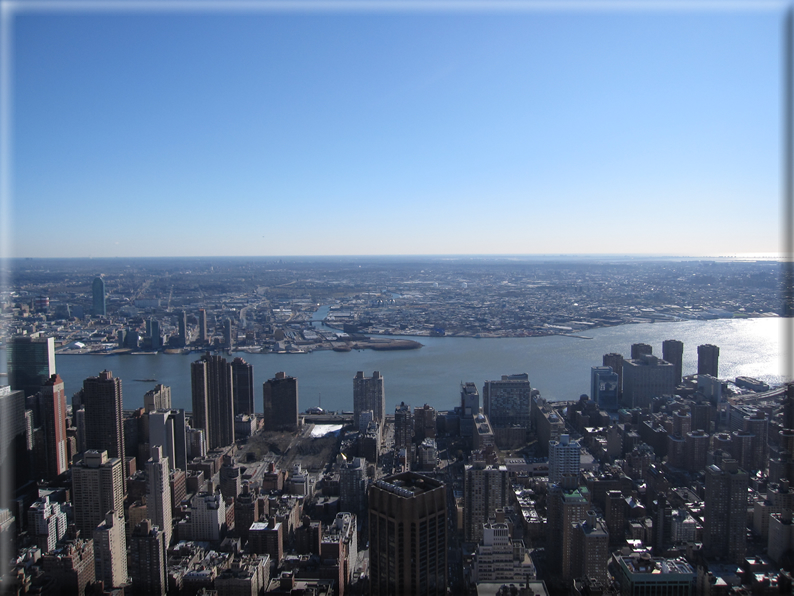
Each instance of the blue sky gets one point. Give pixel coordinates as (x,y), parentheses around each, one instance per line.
(449,132)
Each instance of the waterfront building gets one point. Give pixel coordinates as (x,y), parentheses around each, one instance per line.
(673,352)
(407,536)
(158,398)
(202,321)
(97,487)
(506,402)
(646,378)
(148,559)
(708,360)
(280,403)
(228,339)
(725,520)
(104,424)
(243,377)
(486,489)
(604,389)
(98,295)
(640,350)
(615,361)
(213,403)
(369,394)
(564,458)
(158,495)
(110,551)
(30,362)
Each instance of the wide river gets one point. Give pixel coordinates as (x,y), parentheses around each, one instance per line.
(558,366)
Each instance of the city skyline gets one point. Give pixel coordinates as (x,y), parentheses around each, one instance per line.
(344,130)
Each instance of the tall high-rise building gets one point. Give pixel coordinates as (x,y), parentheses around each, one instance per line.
(646,378)
(182,329)
(110,550)
(167,428)
(213,399)
(49,413)
(147,560)
(725,521)
(280,402)
(506,402)
(158,495)
(98,293)
(202,318)
(97,487)
(424,423)
(615,361)
(31,363)
(708,360)
(486,489)
(369,394)
(104,424)
(673,352)
(158,398)
(564,458)
(353,485)
(591,549)
(640,350)
(604,388)
(228,340)
(404,430)
(407,536)
(243,374)
(567,505)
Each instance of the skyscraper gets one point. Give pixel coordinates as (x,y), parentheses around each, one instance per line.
(158,398)
(182,329)
(98,292)
(158,495)
(646,378)
(640,350)
(673,352)
(708,360)
(486,489)
(31,362)
(564,458)
(104,425)
(97,487)
(243,374)
(147,560)
(369,394)
(615,362)
(280,403)
(407,536)
(49,408)
(725,521)
(506,402)
(213,399)
(567,505)
(167,428)
(203,337)
(604,387)
(110,550)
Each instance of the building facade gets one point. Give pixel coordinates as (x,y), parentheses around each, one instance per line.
(369,394)
(280,403)
(213,399)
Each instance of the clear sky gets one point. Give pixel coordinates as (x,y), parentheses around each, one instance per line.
(396,132)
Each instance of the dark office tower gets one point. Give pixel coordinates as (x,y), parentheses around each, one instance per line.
(424,423)
(213,399)
(31,362)
(280,402)
(15,474)
(637,350)
(407,536)
(615,516)
(646,378)
(725,521)
(49,413)
(202,326)
(98,292)
(155,335)
(369,394)
(708,360)
(673,352)
(227,333)
(788,407)
(604,388)
(615,362)
(182,328)
(403,426)
(506,402)
(147,566)
(243,374)
(104,424)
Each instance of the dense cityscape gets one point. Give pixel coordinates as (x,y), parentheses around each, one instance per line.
(660,480)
